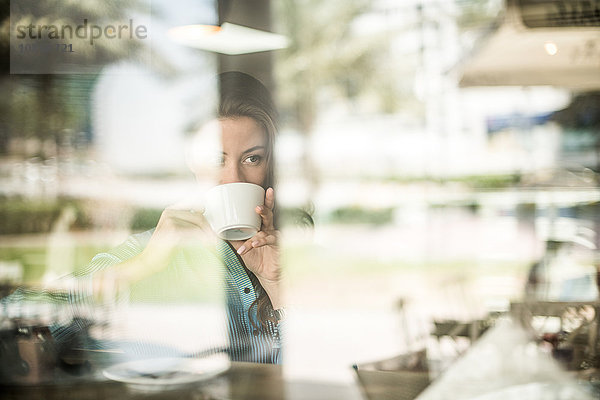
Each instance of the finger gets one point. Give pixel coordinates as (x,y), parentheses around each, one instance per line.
(256,242)
(247,246)
(266,240)
(270,198)
(266,211)
(266,216)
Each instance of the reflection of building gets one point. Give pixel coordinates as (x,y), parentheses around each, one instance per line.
(444,132)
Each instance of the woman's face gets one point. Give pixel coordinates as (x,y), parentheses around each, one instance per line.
(244,147)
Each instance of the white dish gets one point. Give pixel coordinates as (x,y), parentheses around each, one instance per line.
(166,373)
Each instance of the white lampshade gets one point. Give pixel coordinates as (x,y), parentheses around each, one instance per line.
(228,38)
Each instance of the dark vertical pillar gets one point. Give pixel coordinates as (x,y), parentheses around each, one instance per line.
(253,14)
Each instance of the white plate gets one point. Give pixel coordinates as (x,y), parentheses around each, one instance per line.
(165,373)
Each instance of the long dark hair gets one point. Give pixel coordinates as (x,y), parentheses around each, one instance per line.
(241,95)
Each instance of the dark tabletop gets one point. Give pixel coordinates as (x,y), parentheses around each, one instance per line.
(242,381)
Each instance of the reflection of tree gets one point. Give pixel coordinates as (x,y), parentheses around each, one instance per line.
(55,108)
(47,108)
(478,13)
(330,58)
(325,55)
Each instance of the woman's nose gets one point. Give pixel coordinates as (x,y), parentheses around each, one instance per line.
(230,174)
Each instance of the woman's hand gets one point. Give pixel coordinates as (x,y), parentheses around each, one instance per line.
(260,253)
(176,229)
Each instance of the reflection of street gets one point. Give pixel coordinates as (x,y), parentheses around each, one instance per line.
(346,284)
(89,180)
(448,235)
(344,293)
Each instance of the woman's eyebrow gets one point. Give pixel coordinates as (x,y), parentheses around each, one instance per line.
(251,149)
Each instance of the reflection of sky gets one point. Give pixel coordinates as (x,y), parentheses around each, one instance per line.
(139,116)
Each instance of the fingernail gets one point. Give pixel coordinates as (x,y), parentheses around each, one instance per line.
(254,243)
(241,249)
(259,208)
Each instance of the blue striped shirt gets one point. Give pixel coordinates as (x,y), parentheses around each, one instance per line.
(249,340)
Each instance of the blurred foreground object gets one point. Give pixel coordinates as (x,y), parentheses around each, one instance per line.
(409,371)
(506,364)
(568,331)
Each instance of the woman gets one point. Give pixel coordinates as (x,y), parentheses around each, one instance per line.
(246,118)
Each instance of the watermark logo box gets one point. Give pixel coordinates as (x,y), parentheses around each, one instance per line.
(65,37)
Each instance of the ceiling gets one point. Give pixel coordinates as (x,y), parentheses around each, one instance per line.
(538,49)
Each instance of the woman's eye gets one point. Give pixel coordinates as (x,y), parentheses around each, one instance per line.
(253,159)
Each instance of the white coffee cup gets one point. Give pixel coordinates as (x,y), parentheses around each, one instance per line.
(230,210)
